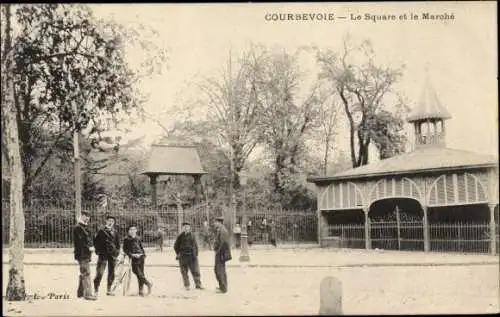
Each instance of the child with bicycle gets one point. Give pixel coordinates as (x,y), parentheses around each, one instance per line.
(132,247)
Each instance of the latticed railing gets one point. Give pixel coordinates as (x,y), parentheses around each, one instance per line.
(409,236)
(50,226)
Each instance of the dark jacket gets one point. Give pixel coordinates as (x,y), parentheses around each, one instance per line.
(185,245)
(107,243)
(221,245)
(272,231)
(133,246)
(82,240)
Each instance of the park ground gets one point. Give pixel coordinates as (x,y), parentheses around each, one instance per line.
(277,282)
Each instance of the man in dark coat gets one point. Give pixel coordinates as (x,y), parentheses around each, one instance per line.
(132,247)
(186,249)
(222,254)
(82,240)
(107,248)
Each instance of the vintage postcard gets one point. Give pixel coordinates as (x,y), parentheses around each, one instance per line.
(227,159)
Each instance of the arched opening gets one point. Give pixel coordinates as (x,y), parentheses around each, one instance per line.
(396,224)
(344,217)
(344,228)
(462,228)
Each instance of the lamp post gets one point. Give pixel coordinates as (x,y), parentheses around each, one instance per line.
(244,257)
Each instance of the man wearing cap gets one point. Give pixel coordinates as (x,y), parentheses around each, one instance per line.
(186,249)
(222,254)
(107,247)
(82,240)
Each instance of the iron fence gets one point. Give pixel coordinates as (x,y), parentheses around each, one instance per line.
(50,225)
(409,236)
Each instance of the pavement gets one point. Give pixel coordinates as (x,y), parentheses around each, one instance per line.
(270,291)
(282,281)
(283,256)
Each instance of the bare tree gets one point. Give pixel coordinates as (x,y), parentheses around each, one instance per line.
(286,116)
(328,123)
(363,88)
(16,287)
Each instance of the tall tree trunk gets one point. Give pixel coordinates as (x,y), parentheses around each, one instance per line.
(16,290)
(327,152)
(352,128)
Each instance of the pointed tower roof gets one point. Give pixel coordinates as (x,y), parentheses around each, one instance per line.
(428,106)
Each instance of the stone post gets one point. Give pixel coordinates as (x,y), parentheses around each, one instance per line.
(330,297)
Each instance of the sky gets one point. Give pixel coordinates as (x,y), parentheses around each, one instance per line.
(458,56)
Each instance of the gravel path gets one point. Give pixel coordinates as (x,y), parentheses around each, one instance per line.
(269,257)
(275,291)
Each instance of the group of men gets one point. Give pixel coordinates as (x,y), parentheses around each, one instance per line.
(106,244)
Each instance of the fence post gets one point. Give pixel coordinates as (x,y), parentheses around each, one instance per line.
(493,238)
(426,230)
(368,242)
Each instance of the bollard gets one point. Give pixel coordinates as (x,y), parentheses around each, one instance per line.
(330,297)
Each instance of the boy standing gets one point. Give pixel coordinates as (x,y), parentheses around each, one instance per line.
(107,247)
(83,252)
(132,247)
(186,250)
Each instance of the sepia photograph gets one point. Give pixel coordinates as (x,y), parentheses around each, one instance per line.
(250,159)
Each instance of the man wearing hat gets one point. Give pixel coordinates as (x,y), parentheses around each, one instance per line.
(82,240)
(107,247)
(186,249)
(222,254)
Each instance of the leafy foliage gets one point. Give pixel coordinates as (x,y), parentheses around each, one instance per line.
(364,88)
(70,71)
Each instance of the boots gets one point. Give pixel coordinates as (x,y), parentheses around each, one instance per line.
(110,292)
(149,285)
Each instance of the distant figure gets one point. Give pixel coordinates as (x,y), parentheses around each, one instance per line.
(222,254)
(264,230)
(237,235)
(250,233)
(83,244)
(132,247)
(186,250)
(206,236)
(330,297)
(161,237)
(272,233)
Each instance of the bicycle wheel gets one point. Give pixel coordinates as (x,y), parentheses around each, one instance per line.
(127,279)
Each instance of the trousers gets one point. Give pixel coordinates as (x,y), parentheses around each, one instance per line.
(220,274)
(101,266)
(138,270)
(84,284)
(187,264)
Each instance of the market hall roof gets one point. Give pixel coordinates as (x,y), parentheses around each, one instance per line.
(173,157)
(428,106)
(421,160)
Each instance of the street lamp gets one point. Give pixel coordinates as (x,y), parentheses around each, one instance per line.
(244,257)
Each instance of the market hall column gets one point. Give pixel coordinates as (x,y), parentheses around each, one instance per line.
(368,240)
(493,240)
(426,229)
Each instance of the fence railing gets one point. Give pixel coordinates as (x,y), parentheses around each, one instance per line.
(409,236)
(49,226)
